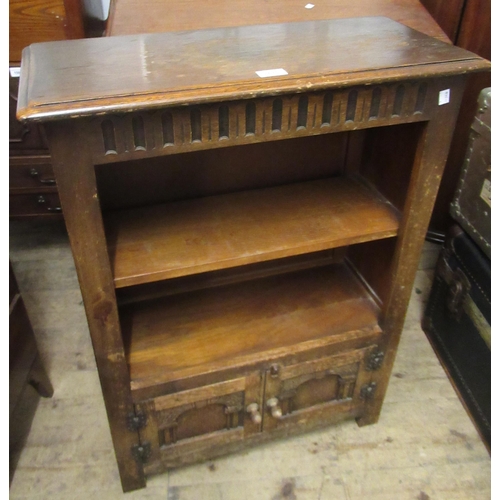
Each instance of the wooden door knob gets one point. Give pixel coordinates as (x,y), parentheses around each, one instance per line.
(255,415)
(273,405)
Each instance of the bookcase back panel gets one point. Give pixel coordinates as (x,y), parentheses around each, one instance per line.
(219,171)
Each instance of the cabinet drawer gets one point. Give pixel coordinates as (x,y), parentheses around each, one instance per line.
(40,204)
(31,172)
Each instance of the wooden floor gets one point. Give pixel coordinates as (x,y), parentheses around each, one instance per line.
(424,446)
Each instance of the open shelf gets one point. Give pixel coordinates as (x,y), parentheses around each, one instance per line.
(217,232)
(193,334)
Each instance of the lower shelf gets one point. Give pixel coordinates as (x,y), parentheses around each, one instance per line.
(179,341)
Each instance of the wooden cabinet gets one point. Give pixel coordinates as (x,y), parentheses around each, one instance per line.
(246,244)
(128,17)
(211,420)
(32,185)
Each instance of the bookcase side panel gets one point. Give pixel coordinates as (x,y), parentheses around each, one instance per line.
(430,158)
(76,179)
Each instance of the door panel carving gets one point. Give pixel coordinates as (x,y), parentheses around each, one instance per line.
(313,388)
(192,421)
(200,418)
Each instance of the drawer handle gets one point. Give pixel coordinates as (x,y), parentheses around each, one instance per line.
(34,173)
(42,200)
(255,415)
(273,405)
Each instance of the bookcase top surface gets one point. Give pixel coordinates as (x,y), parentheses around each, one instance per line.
(134,72)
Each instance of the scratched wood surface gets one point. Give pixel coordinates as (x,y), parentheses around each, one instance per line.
(409,54)
(424,446)
(218,232)
(135,71)
(165,336)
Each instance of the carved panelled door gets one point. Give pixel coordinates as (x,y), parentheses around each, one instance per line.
(194,422)
(313,390)
(189,422)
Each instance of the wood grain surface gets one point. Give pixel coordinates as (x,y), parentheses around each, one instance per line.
(96,282)
(196,333)
(35,21)
(184,341)
(447,14)
(128,17)
(133,72)
(187,237)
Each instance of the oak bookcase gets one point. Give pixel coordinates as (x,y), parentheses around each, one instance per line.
(245,245)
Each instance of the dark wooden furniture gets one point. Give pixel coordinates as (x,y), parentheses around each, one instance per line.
(129,17)
(447,13)
(464,23)
(468,25)
(27,377)
(246,245)
(32,185)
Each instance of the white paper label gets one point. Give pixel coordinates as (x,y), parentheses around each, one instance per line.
(444,97)
(486,192)
(15,72)
(266,73)
(309,6)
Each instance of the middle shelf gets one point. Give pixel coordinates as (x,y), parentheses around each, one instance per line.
(188,237)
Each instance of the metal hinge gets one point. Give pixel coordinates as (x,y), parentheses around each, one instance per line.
(368,390)
(136,421)
(141,452)
(375,360)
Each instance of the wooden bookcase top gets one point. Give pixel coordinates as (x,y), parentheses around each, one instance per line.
(137,72)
